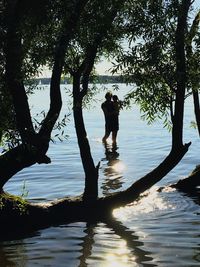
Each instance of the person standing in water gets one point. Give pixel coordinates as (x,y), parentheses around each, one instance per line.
(108,110)
(111,112)
(117,104)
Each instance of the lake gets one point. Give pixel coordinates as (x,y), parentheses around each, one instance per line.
(161,229)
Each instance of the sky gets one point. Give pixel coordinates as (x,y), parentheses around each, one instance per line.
(102,68)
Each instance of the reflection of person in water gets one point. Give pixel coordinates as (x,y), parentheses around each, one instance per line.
(111,113)
(113,178)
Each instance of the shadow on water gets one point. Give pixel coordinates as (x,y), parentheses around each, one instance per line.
(87,244)
(94,245)
(5,259)
(112,171)
(13,247)
(131,242)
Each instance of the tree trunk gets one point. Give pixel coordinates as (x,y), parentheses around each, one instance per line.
(83,71)
(177,130)
(195,94)
(67,33)
(13,72)
(91,172)
(195,85)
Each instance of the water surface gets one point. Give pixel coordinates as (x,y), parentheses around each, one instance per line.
(161,229)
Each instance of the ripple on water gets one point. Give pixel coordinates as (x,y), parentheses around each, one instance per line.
(165,222)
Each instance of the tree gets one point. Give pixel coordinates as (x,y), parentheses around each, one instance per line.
(34,145)
(161,58)
(150,62)
(192,51)
(91,40)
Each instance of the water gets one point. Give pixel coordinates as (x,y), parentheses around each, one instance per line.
(162,229)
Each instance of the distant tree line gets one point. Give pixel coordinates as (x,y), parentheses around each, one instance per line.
(94,79)
(108,79)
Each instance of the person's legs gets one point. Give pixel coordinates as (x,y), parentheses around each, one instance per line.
(105,137)
(114,137)
(107,133)
(115,128)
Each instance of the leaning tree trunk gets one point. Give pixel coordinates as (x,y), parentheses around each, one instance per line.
(35,216)
(146,182)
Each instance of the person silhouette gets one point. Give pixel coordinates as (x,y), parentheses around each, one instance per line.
(111,113)
(117,105)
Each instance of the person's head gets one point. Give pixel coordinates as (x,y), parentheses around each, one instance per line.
(115,98)
(108,96)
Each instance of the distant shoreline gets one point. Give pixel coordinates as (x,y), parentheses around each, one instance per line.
(102,79)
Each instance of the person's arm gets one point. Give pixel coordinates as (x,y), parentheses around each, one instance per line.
(103,106)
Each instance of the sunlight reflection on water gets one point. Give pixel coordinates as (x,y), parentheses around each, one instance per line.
(119,167)
(119,257)
(149,202)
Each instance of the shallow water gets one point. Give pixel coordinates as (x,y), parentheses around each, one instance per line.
(161,229)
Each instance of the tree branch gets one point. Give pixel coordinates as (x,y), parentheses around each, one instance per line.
(13,72)
(55,95)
